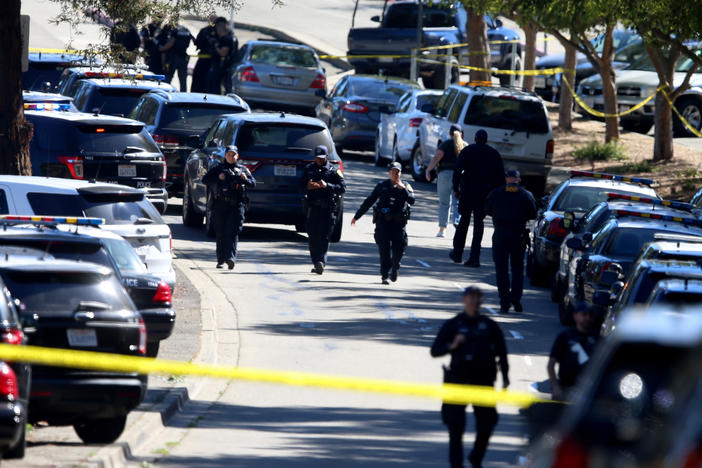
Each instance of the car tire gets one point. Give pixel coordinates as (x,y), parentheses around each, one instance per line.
(191,218)
(379,160)
(209,222)
(556,289)
(338,227)
(416,164)
(637,126)
(101,431)
(691,109)
(395,151)
(17,451)
(152,349)
(538,275)
(505,79)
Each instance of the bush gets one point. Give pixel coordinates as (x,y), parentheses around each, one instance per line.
(596,151)
(633,168)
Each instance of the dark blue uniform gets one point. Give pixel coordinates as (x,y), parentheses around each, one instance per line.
(204,42)
(390,217)
(229,207)
(511,207)
(177,56)
(321,206)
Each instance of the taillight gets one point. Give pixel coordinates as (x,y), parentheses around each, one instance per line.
(320,82)
(339,163)
(165,171)
(8,382)
(355,107)
(142,337)
(163,294)
(74,164)
(251,164)
(248,74)
(13,336)
(570,454)
(555,230)
(166,140)
(549,149)
(415,122)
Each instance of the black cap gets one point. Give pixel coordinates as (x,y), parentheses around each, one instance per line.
(582,307)
(395,165)
(232,148)
(512,173)
(321,151)
(470,290)
(455,128)
(481,137)
(221,19)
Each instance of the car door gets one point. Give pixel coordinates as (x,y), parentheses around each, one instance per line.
(434,128)
(335,112)
(324,110)
(388,124)
(405,134)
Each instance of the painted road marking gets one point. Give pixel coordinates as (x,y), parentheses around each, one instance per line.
(516,335)
(458,286)
(423,263)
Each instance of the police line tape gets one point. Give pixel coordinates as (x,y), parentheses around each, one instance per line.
(687,124)
(88,360)
(600,114)
(496,71)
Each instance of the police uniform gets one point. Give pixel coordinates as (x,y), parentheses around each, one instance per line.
(390,216)
(472,363)
(219,73)
(177,56)
(149,37)
(229,205)
(320,206)
(510,206)
(205,44)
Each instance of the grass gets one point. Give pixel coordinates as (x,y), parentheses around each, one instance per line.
(598,151)
(637,167)
(690,178)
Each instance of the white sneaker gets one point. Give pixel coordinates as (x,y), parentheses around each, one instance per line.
(441,233)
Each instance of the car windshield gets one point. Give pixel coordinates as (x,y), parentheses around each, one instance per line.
(627,242)
(40,73)
(619,39)
(125,256)
(405,16)
(195,118)
(63,291)
(389,91)
(111,209)
(283,56)
(507,113)
(579,198)
(678,298)
(114,101)
(424,99)
(276,138)
(684,64)
(65,250)
(112,138)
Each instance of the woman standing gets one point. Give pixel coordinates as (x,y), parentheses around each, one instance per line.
(444,161)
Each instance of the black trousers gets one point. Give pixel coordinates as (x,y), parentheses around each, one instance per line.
(201,74)
(179,65)
(454,416)
(319,226)
(229,220)
(508,253)
(391,239)
(218,76)
(476,208)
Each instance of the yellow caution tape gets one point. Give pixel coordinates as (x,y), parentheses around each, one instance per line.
(597,113)
(495,71)
(687,124)
(450,393)
(55,51)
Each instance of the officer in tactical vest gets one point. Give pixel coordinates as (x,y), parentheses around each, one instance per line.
(229,181)
(390,216)
(174,46)
(204,42)
(323,185)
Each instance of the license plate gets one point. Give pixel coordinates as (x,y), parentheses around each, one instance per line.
(143,184)
(284,170)
(126,170)
(285,81)
(82,337)
(385,59)
(539,82)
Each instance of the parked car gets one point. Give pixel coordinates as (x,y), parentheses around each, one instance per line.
(78,305)
(442,25)
(37,100)
(676,293)
(397,132)
(75,145)
(516,122)
(353,108)
(45,69)
(279,75)
(126,211)
(575,195)
(70,77)
(113,96)
(177,121)
(275,148)
(80,239)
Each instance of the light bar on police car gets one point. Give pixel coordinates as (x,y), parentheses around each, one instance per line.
(654,201)
(48,106)
(50,220)
(132,76)
(658,217)
(618,178)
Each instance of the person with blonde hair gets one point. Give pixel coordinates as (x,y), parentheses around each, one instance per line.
(444,161)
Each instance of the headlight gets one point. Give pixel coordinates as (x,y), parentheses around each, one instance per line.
(646,91)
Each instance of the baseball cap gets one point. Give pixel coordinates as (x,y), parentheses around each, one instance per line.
(472,290)
(232,148)
(396,165)
(321,151)
(455,128)
(582,307)
(512,173)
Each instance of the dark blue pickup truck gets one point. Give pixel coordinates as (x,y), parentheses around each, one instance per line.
(442,25)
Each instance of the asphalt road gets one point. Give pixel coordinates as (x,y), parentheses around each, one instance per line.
(277,315)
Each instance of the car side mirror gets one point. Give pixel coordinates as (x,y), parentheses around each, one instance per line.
(499,23)
(194,141)
(608,278)
(321,93)
(602,298)
(568,221)
(428,108)
(617,288)
(375,19)
(587,237)
(575,243)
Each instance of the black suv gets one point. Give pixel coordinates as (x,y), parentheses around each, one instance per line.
(113,96)
(75,145)
(177,121)
(78,305)
(275,148)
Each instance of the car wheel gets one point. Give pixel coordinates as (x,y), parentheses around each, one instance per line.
(17,450)
(438,79)
(691,110)
(190,217)
(637,126)
(101,431)
(556,289)
(417,164)
(538,275)
(152,349)
(379,160)
(209,222)
(395,151)
(505,79)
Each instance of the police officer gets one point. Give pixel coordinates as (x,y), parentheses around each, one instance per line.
(204,42)
(174,46)
(475,343)
(149,41)
(510,206)
(228,182)
(390,216)
(124,37)
(323,185)
(223,49)
(478,170)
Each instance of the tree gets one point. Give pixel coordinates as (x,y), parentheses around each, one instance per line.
(478,46)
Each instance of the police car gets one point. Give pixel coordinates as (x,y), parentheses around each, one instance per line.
(114,96)
(75,145)
(45,68)
(126,212)
(576,195)
(37,100)
(675,293)
(70,79)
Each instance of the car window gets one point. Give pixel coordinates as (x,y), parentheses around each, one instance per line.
(507,113)
(627,242)
(377,89)
(280,55)
(424,99)
(217,136)
(211,134)
(678,298)
(445,102)
(697,199)
(81,94)
(63,292)
(99,206)
(340,88)
(4,209)
(96,138)
(405,16)
(125,256)
(112,101)
(276,138)
(600,238)
(149,111)
(404,103)
(580,198)
(193,117)
(39,73)
(457,107)
(90,251)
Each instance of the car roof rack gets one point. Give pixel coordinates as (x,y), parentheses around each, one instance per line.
(12,220)
(653,201)
(658,217)
(618,178)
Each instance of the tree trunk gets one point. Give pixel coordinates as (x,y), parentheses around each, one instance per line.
(529,55)
(663,125)
(478,47)
(609,92)
(565,107)
(15,131)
